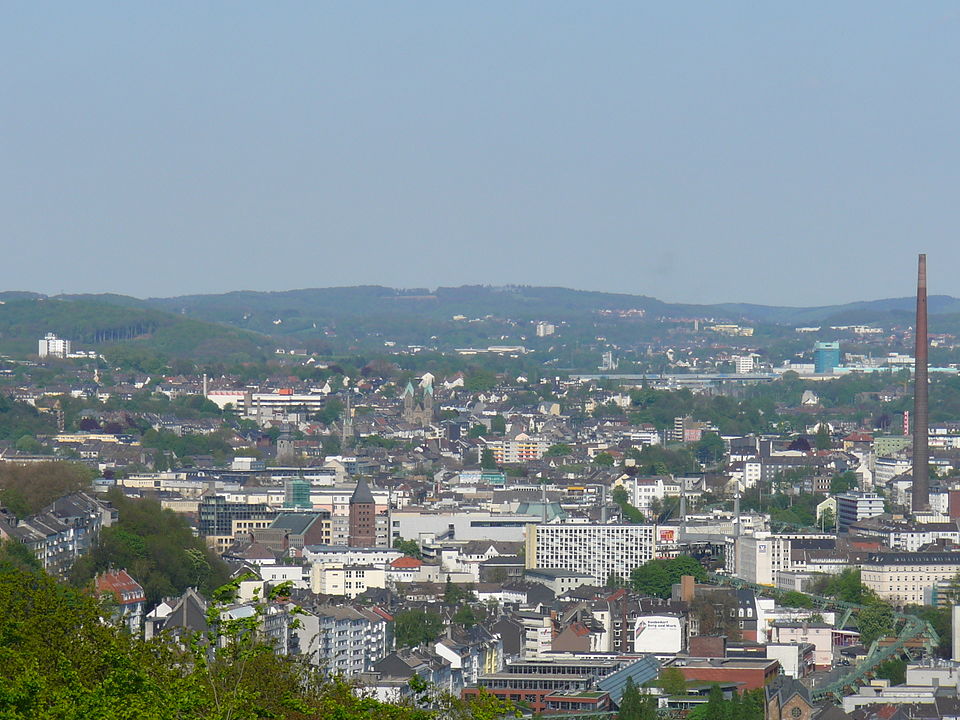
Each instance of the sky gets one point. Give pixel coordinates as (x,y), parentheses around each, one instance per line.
(789,154)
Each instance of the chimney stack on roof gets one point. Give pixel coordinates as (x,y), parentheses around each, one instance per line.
(921,472)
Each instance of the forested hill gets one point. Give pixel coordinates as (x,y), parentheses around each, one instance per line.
(245,324)
(94,322)
(517,302)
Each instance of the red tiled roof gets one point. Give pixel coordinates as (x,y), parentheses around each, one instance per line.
(123,587)
(406,562)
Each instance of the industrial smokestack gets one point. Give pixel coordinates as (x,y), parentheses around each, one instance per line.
(921,473)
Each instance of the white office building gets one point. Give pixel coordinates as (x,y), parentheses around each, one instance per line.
(596,550)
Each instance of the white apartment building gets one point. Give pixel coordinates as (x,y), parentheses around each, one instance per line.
(855,506)
(378,557)
(343,640)
(743,364)
(644,490)
(887,468)
(52,346)
(596,550)
(908,578)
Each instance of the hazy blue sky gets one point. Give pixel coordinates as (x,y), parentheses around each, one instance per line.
(796,153)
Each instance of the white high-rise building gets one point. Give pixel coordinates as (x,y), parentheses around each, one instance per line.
(52,346)
(744,364)
(545,328)
(596,550)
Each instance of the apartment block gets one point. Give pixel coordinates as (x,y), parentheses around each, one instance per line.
(596,550)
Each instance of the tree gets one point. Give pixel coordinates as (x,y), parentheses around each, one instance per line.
(59,660)
(710,449)
(894,670)
(156,546)
(828,519)
(794,599)
(455,594)
(629,512)
(29,444)
(416,627)
(822,440)
(657,460)
(487,460)
(17,556)
(875,621)
(847,587)
(410,548)
(634,706)
(657,577)
(672,681)
(843,482)
(465,616)
(716,708)
(27,488)
(558,450)
(603,459)
(498,425)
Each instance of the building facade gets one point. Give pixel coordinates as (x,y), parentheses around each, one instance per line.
(596,550)
(908,578)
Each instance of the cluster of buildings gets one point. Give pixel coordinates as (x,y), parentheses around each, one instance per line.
(506,524)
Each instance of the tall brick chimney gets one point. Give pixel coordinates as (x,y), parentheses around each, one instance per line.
(921,473)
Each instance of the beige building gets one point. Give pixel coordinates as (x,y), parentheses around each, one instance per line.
(347,580)
(908,578)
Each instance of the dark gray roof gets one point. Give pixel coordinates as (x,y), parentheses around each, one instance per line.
(189,614)
(296,523)
(362,494)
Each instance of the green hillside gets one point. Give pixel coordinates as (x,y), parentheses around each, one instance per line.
(96,324)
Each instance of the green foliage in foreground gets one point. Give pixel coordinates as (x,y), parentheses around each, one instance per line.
(58,660)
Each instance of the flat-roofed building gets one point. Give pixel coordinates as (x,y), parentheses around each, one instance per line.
(596,550)
(908,578)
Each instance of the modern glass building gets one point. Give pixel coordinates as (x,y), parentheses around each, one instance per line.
(826,357)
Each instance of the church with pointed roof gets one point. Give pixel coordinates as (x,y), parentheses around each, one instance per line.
(419,412)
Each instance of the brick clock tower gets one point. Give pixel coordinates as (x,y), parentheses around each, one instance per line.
(363,517)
